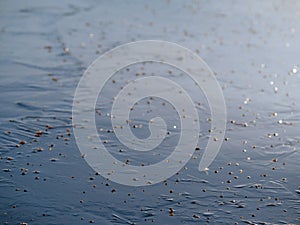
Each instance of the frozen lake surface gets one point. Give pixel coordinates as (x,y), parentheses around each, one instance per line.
(252,46)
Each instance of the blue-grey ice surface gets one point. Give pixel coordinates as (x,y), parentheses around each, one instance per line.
(252,46)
